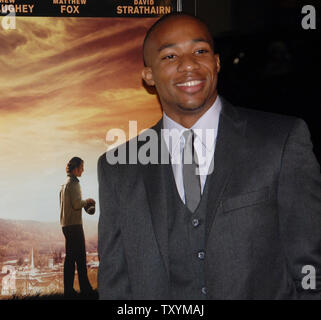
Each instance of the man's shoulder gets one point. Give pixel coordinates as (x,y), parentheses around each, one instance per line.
(261,115)
(124,153)
(260,120)
(262,127)
(124,157)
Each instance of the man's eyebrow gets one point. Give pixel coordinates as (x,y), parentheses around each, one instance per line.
(201,40)
(165,46)
(170,45)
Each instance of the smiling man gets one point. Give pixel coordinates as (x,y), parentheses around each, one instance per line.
(184,72)
(243,224)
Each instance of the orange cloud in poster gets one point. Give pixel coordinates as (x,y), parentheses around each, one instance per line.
(65,82)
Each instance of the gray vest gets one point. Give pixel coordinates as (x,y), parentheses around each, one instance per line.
(186,232)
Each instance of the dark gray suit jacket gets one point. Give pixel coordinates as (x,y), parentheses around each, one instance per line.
(263,221)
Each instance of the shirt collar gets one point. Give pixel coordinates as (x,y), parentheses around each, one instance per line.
(173,139)
(209,120)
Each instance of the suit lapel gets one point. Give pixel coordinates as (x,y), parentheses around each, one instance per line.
(229,149)
(154,179)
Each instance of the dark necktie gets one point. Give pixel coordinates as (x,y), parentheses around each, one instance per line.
(191,178)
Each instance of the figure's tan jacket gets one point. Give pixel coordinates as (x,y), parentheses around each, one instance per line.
(71,202)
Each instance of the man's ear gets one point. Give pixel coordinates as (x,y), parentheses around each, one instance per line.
(148,76)
(218,62)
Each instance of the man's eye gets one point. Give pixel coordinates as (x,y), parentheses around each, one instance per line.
(169,57)
(201,51)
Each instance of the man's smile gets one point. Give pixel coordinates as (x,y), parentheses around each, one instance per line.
(191,86)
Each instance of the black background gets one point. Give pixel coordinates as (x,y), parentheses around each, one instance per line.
(278,62)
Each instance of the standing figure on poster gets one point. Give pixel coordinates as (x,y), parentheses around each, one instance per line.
(71,205)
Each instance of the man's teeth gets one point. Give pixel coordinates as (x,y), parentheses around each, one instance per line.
(189,83)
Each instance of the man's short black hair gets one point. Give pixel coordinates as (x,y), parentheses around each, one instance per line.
(163,19)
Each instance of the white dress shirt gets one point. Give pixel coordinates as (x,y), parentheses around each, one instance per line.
(205,130)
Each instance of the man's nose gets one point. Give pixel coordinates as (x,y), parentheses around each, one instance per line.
(188,63)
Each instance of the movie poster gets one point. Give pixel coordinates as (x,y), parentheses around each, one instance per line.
(70,72)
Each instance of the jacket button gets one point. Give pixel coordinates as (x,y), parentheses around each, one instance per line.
(201,255)
(195,223)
